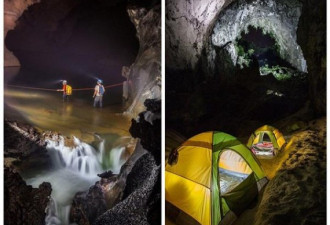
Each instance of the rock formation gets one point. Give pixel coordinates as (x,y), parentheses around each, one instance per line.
(141,200)
(200,40)
(12,11)
(23,142)
(133,196)
(144,75)
(148,128)
(24,204)
(297,193)
(277,18)
(311,37)
(188,26)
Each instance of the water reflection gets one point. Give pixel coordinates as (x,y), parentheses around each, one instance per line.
(47,111)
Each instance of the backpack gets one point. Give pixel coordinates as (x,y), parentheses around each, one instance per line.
(68,90)
(101,90)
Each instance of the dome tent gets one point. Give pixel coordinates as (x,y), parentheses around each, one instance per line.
(266,131)
(193,183)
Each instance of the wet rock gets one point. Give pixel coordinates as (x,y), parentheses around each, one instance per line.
(24,204)
(107,192)
(87,206)
(149,132)
(144,75)
(136,177)
(153,106)
(141,201)
(23,141)
(106,174)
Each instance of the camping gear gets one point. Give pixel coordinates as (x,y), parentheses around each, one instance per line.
(194,183)
(68,90)
(266,140)
(263,149)
(101,89)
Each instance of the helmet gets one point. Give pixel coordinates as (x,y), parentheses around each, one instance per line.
(64,82)
(99,81)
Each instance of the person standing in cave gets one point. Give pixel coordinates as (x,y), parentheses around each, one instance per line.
(98,94)
(66,90)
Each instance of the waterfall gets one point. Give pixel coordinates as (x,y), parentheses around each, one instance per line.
(51,213)
(81,158)
(117,159)
(102,149)
(74,169)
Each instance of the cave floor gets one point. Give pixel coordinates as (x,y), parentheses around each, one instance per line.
(77,117)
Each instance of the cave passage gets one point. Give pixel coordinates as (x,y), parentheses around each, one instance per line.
(74,40)
(258,45)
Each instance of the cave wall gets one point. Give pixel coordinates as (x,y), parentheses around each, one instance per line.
(311,35)
(144,75)
(187,27)
(12,11)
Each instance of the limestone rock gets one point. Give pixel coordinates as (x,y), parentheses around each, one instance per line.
(278,18)
(24,204)
(12,11)
(188,26)
(87,206)
(148,129)
(144,75)
(142,192)
(22,141)
(312,39)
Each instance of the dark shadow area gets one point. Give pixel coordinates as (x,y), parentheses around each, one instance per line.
(214,104)
(74,40)
(261,88)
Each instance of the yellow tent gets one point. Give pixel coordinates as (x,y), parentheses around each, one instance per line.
(274,134)
(194,181)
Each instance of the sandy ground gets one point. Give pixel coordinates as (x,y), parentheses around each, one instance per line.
(296,192)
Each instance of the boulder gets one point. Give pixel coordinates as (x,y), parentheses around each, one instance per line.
(24,204)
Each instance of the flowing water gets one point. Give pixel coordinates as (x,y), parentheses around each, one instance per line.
(97,141)
(72,169)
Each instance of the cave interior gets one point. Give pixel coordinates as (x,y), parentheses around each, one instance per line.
(257,76)
(78,41)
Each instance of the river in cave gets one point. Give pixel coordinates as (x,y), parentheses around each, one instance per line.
(98,139)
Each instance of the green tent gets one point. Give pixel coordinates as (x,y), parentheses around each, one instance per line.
(194,183)
(274,136)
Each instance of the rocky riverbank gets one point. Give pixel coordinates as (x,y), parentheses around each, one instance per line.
(133,196)
(24,204)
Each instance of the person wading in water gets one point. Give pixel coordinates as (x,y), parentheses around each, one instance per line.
(98,94)
(67,90)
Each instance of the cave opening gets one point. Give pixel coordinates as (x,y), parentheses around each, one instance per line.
(261,46)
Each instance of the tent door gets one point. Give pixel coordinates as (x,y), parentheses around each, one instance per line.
(265,138)
(242,195)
